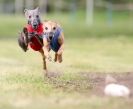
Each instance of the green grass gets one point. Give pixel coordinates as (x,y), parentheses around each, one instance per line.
(98,48)
(22,84)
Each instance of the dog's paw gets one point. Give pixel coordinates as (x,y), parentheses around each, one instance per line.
(55,59)
(60,61)
(60,58)
(45,73)
(49,58)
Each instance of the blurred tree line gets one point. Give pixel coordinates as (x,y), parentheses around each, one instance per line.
(119,1)
(17,6)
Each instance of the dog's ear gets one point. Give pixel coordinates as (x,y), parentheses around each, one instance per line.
(37,8)
(26,13)
(25,10)
(45,20)
(58,24)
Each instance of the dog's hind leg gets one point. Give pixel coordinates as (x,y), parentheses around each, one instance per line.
(44,63)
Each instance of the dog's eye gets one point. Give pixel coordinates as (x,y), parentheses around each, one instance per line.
(29,16)
(54,28)
(46,28)
(37,16)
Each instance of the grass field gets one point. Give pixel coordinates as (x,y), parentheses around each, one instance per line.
(88,50)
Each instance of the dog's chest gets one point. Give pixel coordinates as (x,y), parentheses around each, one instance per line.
(39,30)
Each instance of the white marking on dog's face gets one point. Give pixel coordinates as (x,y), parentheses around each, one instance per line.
(33,16)
(50,28)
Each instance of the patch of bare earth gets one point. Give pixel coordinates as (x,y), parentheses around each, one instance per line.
(88,83)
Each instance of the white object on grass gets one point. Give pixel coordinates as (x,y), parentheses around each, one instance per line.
(112,88)
(116,90)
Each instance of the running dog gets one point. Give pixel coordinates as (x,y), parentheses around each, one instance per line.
(42,37)
(53,39)
(32,34)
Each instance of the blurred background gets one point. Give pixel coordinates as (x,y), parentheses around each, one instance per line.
(114,16)
(98,39)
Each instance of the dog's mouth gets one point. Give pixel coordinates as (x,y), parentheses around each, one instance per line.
(50,38)
(35,26)
(51,35)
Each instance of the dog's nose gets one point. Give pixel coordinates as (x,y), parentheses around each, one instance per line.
(51,34)
(34,24)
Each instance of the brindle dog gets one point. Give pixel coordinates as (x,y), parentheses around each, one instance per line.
(32,34)
(42,37)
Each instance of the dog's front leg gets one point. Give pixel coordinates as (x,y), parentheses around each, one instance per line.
(44,63)
(55,59)
(59,58)
(60,51)
(26,35)
(46,49)
(45,67)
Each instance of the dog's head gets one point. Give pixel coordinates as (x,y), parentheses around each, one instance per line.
(33,17)
(50,27)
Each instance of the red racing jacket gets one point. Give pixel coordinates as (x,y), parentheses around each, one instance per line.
(34,42)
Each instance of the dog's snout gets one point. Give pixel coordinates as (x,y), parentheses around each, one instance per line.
(51,34)
(34,24)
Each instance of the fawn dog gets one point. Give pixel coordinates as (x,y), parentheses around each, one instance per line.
(53,39)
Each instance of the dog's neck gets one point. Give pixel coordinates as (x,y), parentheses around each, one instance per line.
(34,29)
